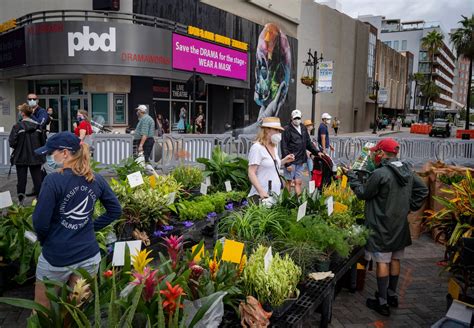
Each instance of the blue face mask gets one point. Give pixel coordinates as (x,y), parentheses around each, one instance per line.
(52,163)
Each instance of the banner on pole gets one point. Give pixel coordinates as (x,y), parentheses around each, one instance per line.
(325,73)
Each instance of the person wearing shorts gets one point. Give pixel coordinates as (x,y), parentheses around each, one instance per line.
(296,140)
(62,218)
(390,192)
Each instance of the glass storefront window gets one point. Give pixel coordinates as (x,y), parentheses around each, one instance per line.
(119,109)
(100,108)
(47,87)
(75,87)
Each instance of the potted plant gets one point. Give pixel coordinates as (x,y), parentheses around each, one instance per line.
(189,177)
(307,80)
(276,287)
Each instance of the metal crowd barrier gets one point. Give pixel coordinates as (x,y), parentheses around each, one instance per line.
(172,149)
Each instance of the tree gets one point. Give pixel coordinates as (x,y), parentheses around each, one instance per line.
(463,41)
(432,42)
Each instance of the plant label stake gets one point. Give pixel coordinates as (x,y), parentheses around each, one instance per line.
(31,236)
(330,205)
(344,181)
(302,211)
(171,198)
(267,259)
(208,181)
(232,251)
(135,179)
(5,199)
(311,186)
(203,189)
(118,258)
(228,186)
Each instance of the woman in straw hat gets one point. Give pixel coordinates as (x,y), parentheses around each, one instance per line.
(264,161)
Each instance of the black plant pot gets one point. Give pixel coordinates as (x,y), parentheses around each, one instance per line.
(323,265)
(279,311)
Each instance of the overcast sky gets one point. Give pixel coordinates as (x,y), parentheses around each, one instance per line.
(448,12)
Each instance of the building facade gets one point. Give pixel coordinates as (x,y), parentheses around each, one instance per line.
(461,84)
(110,62)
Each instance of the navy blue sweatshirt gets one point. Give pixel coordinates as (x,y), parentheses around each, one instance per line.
(63,216)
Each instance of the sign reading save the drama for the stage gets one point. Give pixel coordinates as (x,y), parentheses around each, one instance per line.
(208,58)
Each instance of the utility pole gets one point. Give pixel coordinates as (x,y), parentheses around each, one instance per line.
(376,87)
(313,61)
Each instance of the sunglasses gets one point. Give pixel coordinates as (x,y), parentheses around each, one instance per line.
(32,98)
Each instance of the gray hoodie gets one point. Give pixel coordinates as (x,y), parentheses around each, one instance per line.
(390,192)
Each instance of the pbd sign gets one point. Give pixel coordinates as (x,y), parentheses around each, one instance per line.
(383,96)
(78,41)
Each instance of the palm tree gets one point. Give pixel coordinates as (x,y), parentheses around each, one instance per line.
(432,42)
(463,41)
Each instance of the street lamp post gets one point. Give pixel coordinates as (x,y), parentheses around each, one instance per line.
(376,87)
(313,61)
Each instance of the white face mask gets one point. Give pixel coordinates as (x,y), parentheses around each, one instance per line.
(32,103)
(276,138)
(328,121)
(297,122)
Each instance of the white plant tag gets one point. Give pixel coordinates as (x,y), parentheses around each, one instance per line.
(330,204)
(31,236)
(118,258)
(301,211)
(135,179)
(311,186)
(203,189)
(228,186)
(5,199)
(208,181)
(171,198)
(267,260)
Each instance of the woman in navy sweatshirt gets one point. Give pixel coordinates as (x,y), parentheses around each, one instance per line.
(63,215)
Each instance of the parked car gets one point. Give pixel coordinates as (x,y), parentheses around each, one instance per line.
(440,127)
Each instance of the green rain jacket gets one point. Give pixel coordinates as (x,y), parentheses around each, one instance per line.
(390,192)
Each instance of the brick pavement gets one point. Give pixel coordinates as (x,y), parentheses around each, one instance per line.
(422,293)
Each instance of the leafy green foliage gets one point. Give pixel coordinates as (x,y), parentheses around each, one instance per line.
(222,167)
(126,167)
(189,177)
(274,286)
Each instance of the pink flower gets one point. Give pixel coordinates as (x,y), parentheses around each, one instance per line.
(148,278)
(174,246)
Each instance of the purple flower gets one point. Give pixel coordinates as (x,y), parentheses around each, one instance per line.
(168,227)
(159,233)
(229,207)
(245,202)
(211,215)
(110,249)
(188,224)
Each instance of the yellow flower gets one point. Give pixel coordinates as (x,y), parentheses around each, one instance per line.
(243,262)
(213,268)
(141,260)
(81,292)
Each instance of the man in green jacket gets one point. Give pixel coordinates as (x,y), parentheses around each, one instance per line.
(390,192)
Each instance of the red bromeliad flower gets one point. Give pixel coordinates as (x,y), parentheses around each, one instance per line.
(108,273)
(149,280)
(174,246)
(171,297)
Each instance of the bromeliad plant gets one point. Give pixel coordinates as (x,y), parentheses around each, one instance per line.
(457,216)
(145,206)
(222,167)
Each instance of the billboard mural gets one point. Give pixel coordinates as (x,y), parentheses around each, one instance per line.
(208,58)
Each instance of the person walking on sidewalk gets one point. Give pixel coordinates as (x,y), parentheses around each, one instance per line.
(335,125)
(63,217)
(40,114)
(83,127)
(296,141)
(25,137)
(144,132)
(323,133)
(390,192)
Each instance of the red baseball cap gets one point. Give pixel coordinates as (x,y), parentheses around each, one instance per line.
(388,145)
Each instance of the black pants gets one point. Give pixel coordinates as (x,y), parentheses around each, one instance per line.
(22,173)
(147,147)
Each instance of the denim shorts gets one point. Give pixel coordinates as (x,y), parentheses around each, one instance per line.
(386,257)
(297,172)
(44,270)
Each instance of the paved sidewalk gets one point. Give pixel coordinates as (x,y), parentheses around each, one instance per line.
(422,293)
